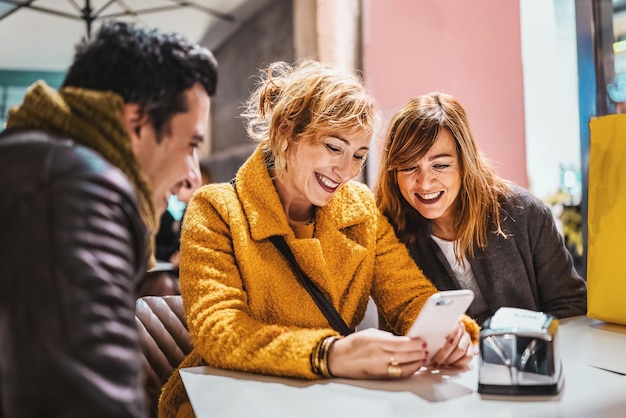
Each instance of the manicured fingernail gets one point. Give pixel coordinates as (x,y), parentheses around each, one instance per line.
(451,340)
(424,345)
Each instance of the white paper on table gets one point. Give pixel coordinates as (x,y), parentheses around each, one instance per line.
(266,396)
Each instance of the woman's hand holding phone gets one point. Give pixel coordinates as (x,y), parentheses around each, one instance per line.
(437,338)
(438,323)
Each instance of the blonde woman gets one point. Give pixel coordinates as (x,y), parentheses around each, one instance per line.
(246,307)
(466,227)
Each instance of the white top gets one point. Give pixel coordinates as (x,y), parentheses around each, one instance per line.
(463,273)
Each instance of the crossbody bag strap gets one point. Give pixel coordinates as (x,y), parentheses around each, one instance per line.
(325,306)
(329,311)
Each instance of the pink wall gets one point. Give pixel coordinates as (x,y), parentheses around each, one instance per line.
(470,49)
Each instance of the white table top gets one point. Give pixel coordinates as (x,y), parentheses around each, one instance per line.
(595,343)
(588,390)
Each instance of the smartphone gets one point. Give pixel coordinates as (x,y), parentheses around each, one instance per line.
(438,317)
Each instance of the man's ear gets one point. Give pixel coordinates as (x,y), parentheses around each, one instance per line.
(132,123)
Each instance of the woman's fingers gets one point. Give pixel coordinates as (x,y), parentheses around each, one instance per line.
(456,349)
(376,354)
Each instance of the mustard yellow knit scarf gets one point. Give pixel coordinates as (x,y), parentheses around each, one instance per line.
(93,119)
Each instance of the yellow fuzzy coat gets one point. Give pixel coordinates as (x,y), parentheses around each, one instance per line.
(245,307)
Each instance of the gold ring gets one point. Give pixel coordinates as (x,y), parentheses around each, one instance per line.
(394,370)
(392,361)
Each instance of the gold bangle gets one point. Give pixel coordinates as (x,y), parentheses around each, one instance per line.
(315,358)
(319,357)
(323,359)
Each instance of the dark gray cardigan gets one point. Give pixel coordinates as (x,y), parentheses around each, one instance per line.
(531,269)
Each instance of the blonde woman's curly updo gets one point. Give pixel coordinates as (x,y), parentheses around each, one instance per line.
(305,101)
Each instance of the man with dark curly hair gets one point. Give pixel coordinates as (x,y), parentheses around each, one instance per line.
(85,174)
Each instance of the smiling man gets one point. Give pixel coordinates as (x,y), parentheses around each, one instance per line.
(85,173)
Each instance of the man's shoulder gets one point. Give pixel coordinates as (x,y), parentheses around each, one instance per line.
(53,158)
(31,142)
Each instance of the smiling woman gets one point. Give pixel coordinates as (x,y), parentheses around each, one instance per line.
(318,170)
(433,184)
(278,266)
(466,227)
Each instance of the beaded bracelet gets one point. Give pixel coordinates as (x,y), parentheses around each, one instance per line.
(319,356)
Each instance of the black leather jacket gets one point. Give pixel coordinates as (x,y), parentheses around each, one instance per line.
(72,253)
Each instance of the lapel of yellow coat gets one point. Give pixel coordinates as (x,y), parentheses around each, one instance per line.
(339,245)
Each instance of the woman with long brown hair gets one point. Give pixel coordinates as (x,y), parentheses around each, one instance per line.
(465,226)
